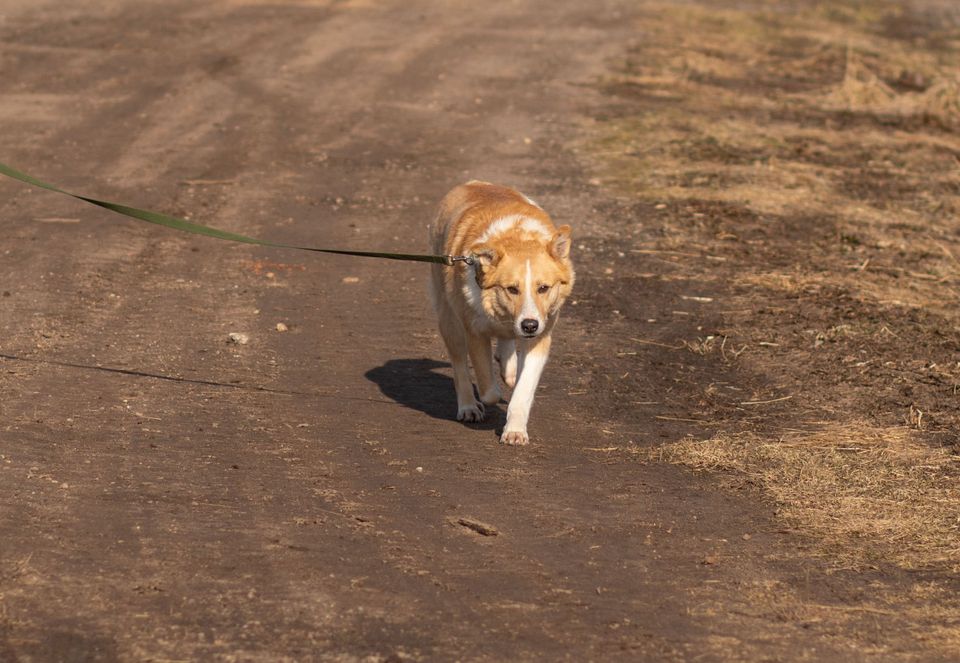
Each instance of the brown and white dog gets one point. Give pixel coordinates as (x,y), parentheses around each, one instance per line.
(520,276)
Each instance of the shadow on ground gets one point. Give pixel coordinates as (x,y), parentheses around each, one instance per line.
(415,383)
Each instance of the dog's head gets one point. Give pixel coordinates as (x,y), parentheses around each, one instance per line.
(524,278)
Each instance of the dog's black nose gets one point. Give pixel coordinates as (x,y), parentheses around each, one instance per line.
(529,326)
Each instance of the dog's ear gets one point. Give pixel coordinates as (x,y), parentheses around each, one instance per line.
(560,244)
(485,255)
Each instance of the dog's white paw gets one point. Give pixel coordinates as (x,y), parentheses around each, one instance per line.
(491,396)
(470,413)
(516,438)
(509,378)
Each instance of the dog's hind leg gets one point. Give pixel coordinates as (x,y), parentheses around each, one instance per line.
(455,338)
(507,356)
(481,356)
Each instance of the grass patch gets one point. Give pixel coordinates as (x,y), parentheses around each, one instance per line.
(870,495)
(811,152)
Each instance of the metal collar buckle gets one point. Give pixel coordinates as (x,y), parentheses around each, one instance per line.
(468,260)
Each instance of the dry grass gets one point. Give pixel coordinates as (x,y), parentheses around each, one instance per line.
(870,495)
(813,157)
(865,497)
(863,90)
(740,120)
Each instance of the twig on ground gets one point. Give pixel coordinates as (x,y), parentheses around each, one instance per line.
(657,343)
(772,400)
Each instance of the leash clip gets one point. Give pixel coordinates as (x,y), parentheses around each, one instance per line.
(467,260)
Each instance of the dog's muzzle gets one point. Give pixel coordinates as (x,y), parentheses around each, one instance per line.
(529,326)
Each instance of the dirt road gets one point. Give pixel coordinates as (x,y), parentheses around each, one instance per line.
(169,495)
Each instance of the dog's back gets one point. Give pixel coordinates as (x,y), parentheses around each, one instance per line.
(468,212)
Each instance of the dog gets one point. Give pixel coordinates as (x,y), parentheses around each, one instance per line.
(511,288)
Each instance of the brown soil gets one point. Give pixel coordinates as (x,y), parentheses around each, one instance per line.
(764,196)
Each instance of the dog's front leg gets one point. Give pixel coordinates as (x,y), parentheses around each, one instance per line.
(507,356)
(532,357)
(481,354)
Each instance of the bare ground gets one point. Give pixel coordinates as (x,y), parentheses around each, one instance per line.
(764,195)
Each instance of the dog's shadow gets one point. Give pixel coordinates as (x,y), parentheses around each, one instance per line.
(415,383)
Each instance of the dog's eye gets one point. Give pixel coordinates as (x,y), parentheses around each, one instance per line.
(543,288)
(513,290)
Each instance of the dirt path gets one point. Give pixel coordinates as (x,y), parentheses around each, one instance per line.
(171,496)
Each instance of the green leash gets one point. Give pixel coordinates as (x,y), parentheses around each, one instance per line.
(199,229)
